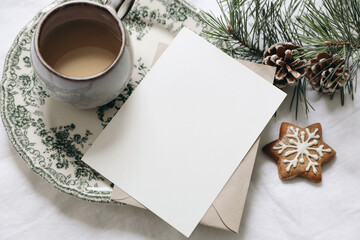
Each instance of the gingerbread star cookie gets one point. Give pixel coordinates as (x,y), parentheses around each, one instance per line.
(300,151)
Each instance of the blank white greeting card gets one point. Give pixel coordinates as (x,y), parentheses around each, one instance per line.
(179,137)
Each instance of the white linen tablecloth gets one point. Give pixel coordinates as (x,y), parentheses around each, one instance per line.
(30,208)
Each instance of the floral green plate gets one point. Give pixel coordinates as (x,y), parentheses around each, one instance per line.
(52,137)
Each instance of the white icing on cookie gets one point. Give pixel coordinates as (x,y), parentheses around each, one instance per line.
(301,147)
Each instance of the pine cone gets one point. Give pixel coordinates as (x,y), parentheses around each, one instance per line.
(326,73)
(288,70)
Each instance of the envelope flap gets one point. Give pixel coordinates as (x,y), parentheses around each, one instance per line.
(213,219)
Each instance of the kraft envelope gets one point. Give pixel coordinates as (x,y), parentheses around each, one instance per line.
(226,211)
(183,132)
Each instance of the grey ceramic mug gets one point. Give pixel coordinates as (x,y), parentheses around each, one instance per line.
(96,90)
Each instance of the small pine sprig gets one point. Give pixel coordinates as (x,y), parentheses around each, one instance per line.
(334,28)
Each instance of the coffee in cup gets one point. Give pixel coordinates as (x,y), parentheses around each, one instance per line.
(81,48)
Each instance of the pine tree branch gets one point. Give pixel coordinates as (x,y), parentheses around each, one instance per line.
(248,27)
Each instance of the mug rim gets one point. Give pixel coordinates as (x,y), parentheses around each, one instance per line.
(92,4)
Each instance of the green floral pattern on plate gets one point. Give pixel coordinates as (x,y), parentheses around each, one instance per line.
(52,137)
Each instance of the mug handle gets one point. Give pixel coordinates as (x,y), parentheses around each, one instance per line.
(122,7)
